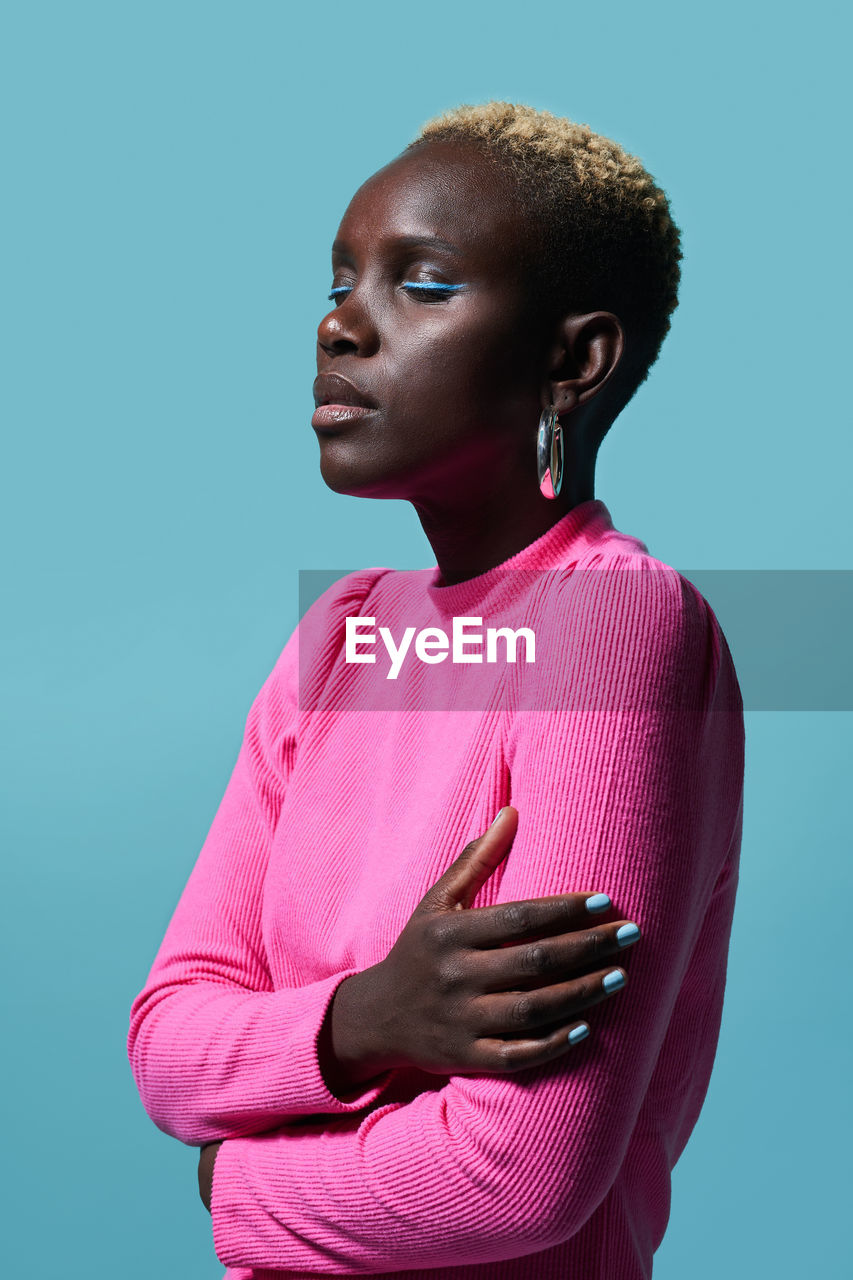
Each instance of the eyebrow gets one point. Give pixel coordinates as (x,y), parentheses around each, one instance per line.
(407,242)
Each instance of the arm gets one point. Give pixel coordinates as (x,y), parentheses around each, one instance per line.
(639,798)
(216,1052)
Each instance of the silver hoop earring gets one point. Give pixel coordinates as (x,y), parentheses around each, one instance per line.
(549,453)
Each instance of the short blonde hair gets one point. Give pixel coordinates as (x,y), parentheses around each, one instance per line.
(606,239)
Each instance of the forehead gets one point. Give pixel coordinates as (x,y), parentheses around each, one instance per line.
(439,190)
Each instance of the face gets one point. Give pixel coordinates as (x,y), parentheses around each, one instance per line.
(429,371)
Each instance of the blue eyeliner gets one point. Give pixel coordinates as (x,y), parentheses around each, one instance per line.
(432,284)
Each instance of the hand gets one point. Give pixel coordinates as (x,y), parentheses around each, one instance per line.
(206,1161)
(493,989)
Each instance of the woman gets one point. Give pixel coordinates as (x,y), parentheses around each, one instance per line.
(387,1048)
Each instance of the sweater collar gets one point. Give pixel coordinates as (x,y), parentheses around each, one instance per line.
(559,547)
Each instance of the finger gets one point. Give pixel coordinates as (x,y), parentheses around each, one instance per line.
(511,921)
(462,880)
(535,1012)
(501,1057)
(551,959)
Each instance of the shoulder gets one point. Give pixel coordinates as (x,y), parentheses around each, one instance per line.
(321,634)
(636,628)
(324,610)
(314,641)
(645,596)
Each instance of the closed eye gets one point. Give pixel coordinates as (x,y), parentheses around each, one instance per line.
(431,288)
(425,288)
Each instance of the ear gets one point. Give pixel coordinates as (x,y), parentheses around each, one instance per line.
(584,357)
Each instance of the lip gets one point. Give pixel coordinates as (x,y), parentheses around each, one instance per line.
(328,416)
(333,389)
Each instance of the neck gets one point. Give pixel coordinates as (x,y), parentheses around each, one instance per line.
(469,540)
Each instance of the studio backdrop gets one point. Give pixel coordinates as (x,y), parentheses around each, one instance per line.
(173,177)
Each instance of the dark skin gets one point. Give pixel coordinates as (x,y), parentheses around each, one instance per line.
(456,382)
(459,381)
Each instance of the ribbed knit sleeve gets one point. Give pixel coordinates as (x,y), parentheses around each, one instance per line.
(627,781)
(216,1052)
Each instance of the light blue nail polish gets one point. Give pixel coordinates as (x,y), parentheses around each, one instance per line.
(598,902)
(613,981)
(497,815)
(578,1034)
(627,934)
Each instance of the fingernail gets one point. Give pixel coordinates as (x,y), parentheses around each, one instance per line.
(578,1033)
(627,934)
(614,980)
(498,814)
(598,902)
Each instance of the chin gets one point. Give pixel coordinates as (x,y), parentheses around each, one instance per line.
(359,477)
(355,483)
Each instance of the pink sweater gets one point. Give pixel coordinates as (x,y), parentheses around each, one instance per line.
(622,749)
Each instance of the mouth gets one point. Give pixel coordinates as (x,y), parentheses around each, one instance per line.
(338,401)
(331,388)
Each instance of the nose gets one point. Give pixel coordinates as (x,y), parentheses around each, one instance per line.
(348,329)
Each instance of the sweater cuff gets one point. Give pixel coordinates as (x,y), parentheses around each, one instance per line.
(226,1177)
(304,1066)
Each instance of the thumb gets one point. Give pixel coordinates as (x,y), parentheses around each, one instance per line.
(461,882)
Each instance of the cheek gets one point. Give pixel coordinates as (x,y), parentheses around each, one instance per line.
(471,368)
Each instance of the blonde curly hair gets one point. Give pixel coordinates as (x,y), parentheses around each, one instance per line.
(604,236)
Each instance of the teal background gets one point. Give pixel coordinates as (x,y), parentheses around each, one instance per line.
(173,174)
